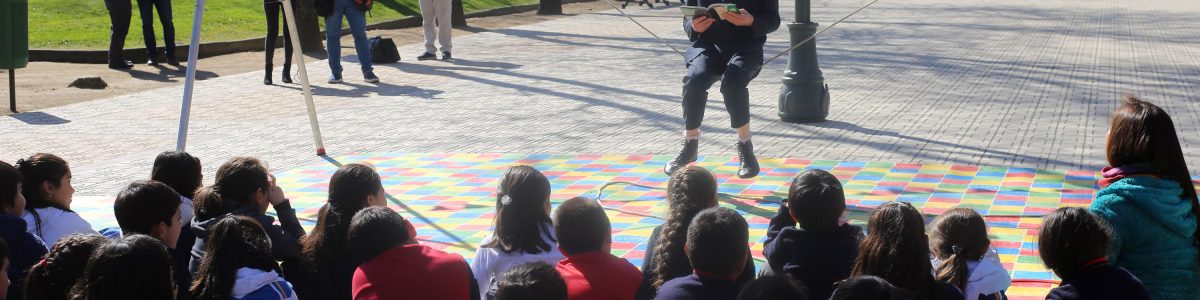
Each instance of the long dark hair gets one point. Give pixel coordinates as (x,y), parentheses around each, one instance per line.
(327,244)
(1070,237)
(690,190)
(235,186)
(133,267)
(39,168)
(521,216)
(10,178)
(1142,133)
(234,242)
(959,235)
(53,277)
(896,249)
(179,170)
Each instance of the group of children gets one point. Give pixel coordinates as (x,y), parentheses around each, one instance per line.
(180,239)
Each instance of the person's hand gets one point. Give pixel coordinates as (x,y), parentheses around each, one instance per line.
(739,19)
(701,23)
(275,194)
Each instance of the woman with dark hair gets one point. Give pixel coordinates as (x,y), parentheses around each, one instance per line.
(523,230)
(273,10)
(46,185)
(239,264)
(181,171)
(897,250)
(133,267)
(1148,197)
(25,249)
(326,257)
(53,277)
(243,187)
(1072,242)
(690,190)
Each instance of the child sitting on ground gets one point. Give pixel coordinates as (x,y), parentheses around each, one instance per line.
(869,288)
(25,249)
(716,247)
(53,277)
(152,208)
(239,264)
(590,271)
(531,281)
(132,267)
(328,268)
(181,171)
(897,250)
(822,251)
(394,266)
(523,229)
(46,185)
(1073,243)
(962,255)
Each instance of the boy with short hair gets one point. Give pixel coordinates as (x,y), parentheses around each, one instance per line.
(589,270)
(152,208)
(531,281)
(822,251)
(392,265)
(716,247)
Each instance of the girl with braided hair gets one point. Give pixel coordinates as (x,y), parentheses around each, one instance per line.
(328,267)
(523,231)
(963,257)
(690,190)
(53,277)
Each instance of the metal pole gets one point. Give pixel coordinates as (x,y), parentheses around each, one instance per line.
(804,96)
(193,52)
(308,101)
(12,90)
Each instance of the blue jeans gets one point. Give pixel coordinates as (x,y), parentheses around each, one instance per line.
(358,29)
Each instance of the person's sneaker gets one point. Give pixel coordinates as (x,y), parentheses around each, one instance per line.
(171,60)
(749,164)
(686,156)
(335,78)
(446,55)
(370,77)
(120,65)
(153,61)
(427,56)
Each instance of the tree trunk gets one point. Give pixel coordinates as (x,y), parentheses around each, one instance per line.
(310,31)
(457,17)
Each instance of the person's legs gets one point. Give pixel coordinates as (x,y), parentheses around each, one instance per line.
(442,10)
(357,20)
(146,10)
(742,68)
(333,45)
(702,72)
(428,21)
(168,25)
(271,11)
(119,12)
(287,47)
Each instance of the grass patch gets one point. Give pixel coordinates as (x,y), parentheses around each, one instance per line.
(84,24)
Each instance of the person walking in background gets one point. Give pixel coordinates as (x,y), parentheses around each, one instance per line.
(147,7)
(355,13)
(119,12)
(273,9)
(435,14)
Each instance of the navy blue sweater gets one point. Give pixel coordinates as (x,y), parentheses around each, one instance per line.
(24,250)
(819,258)
(1103,281)
(694,287)
(766,20)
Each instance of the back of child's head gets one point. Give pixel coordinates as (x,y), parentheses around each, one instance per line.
(522,212)
(133,267)
(958,236)
(234,242)
(374,230)
(349,188)
(144,204)
(179,170)
(716,241)
(531,281)
(11,199)
(239,179)
(896,248)
(775,287)
(690,190)
(868,288)
(1142,133)
(1070,238)
(53,277)
(816,199)
(581,226)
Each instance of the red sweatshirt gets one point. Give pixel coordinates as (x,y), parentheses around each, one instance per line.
(415,272)
(599,275)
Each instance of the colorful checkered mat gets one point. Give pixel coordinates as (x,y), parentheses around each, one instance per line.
(450,197)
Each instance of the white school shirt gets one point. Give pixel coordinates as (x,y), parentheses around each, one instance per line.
(987,276)
(491,262)
(56,223)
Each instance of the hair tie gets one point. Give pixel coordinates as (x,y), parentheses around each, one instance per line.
(20,162)
(956,249)
(505,200)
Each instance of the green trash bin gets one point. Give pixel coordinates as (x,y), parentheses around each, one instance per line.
(14,34)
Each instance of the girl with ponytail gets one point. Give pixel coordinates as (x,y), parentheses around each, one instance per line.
(962,255)
(328,267)
(46,185)
(523,230)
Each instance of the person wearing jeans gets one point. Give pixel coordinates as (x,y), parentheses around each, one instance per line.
(274,9)
(436,13)
(147,7)
(358,28)
(119,13)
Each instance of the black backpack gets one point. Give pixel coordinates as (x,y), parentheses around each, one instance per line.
(383,51)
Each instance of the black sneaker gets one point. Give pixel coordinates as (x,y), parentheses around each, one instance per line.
(427,56)
(121,65)
(686,156)
(446,55)
(749,167)
(171,60)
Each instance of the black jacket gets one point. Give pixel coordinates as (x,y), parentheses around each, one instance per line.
(285,239)
(646,291)
(819,258)
(766,20)
(24,250)
(1103,281)
(694,287)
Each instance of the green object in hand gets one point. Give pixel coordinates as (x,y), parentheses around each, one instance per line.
(731,8)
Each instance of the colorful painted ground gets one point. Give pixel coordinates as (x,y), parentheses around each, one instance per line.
(450,198)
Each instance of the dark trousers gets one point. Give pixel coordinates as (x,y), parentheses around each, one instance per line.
(734,66)
(119,12)
(274,11)
(147,7)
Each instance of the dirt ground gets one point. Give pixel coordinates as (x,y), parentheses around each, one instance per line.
(44,84)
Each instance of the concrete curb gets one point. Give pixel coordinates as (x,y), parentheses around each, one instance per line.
(138,55)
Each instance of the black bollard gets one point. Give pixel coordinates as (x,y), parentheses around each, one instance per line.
(804,97)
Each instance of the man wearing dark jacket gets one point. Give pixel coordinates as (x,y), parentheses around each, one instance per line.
(731,50)
(822,251)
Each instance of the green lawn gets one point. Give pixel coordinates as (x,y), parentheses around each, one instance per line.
(84,24)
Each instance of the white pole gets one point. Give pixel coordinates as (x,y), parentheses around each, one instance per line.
(299,57)
(193,52)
